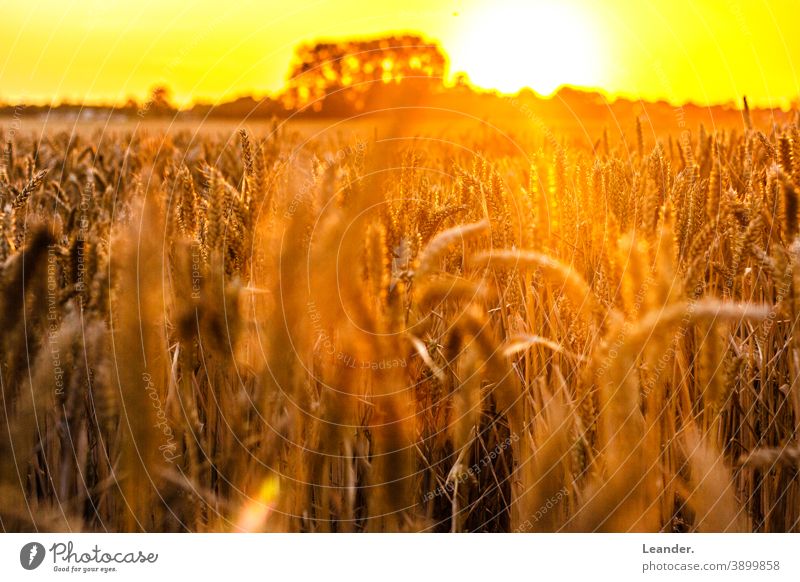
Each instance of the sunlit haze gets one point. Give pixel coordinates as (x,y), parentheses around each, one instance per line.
(684,50)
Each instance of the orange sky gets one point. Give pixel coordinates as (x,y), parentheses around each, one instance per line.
(679,50)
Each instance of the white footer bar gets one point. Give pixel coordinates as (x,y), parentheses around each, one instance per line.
(401,557)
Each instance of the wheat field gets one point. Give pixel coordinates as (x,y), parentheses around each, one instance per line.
(266,330)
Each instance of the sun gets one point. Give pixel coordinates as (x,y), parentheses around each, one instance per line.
(533,44)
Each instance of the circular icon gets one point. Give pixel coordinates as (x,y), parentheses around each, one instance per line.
(31,555)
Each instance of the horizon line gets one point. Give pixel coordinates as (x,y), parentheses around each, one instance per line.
(610,97)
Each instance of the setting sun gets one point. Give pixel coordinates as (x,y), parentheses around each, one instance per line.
(513,45)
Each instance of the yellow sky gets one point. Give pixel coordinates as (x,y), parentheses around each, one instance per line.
(105,50)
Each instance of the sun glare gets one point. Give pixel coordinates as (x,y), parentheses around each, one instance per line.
(516,45)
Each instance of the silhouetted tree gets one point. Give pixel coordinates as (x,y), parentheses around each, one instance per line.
(158,104)
(347,75)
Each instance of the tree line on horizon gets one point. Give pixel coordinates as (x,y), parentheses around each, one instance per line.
(346,78)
